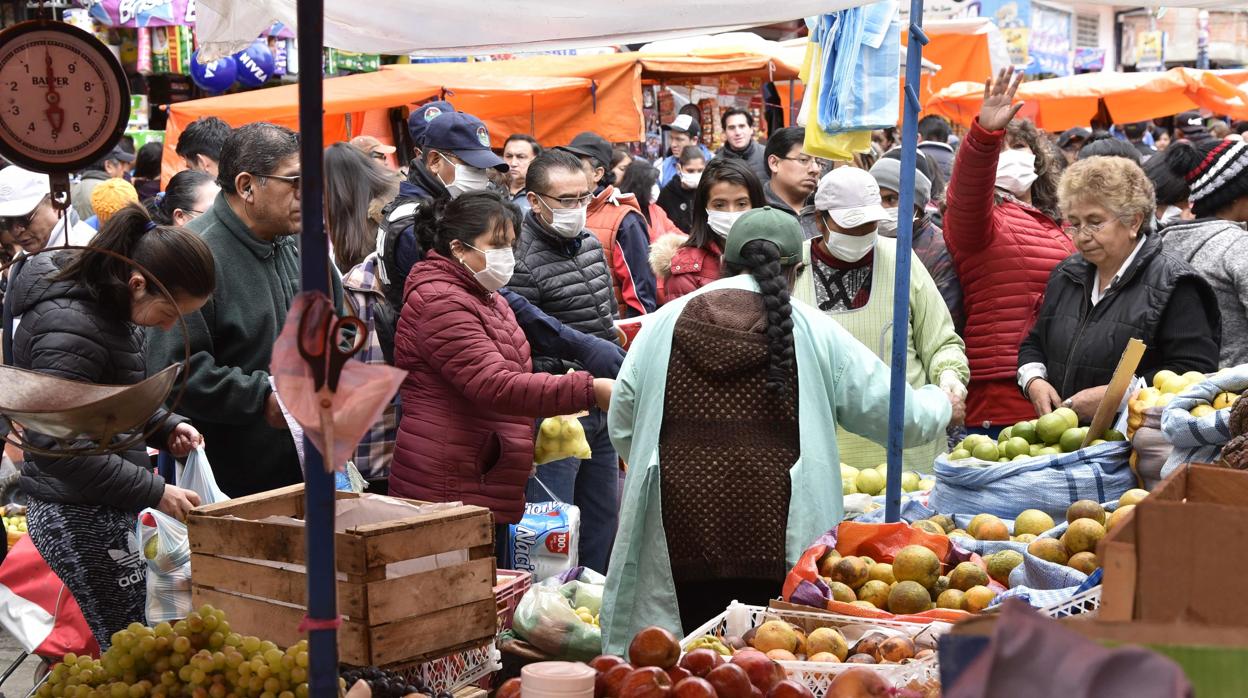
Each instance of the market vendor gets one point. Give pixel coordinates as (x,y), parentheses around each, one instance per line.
(1122,283)
(1001,228)
(725,410)
(848,275)
(80,313)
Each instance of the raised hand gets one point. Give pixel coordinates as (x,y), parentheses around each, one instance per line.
(998,109)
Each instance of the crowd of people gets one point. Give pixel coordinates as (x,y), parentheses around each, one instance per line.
(763,278)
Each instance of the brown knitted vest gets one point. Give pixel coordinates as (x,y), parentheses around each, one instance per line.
(726,445)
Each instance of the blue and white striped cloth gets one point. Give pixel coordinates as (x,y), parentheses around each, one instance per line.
(1200,439)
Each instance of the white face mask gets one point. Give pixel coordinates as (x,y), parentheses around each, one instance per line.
(888,226)
(721,221)
(499,266)
(689,180)
(849,248)
(467,179)
(567,222)
(1016,171)
(654,193)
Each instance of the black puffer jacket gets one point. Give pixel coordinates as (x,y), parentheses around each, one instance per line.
(1159,299)
(567,279)
(64,333)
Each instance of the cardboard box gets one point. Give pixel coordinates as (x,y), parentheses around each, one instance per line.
(1179,557)
(412,586)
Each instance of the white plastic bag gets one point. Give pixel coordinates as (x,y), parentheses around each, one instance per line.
(166,548)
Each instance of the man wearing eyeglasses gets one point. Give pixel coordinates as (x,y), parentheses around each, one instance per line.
(28,217)
(251,228)
(561,269)
(794,177)
(374,149)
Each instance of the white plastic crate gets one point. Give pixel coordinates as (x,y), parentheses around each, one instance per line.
(1085,603)
(817,676)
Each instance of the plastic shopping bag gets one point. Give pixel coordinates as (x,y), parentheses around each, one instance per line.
(546,541)
(166,548)
(559,438)
(547,616)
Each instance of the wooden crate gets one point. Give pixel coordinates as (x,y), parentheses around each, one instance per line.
(252,569)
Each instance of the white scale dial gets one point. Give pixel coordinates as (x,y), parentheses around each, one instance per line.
(63,98)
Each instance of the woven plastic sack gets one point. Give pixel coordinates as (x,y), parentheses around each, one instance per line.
(166,548)
(559,438)
(1048,483)
(546,616)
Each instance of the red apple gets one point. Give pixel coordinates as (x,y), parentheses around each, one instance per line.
(700,662)
(755,693)
(858,682)
(605,661)
(509,689)
(646,682)
(764,672)
(614,678)
(789,688)
(654,646)
(730,681)
(693,687)
(678,674)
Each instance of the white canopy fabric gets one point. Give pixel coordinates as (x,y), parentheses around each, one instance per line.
(456,27)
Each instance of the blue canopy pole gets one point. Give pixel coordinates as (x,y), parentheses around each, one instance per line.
(314,275)
(901,286)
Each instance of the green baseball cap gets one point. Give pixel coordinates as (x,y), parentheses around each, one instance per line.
(770,224)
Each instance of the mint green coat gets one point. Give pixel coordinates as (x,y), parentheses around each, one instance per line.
(839,382)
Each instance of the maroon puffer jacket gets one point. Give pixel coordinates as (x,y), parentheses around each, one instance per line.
(1004,253)
(470,395)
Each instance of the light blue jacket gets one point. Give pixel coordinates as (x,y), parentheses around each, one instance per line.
(839,381)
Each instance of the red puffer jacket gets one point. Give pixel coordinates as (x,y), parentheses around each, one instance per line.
(1004,253)
(470,395)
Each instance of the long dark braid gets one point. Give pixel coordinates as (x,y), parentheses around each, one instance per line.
(762,261)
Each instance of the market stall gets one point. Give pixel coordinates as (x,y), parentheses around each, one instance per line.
(1111,98)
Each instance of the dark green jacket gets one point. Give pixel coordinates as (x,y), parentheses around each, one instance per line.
(232,339)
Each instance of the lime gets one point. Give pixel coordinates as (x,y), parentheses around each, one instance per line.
(909,481)
(870,482)
(1114,435)
(1072,439)
(1017,446)
(1050,428)
(848,487)
(1005,435)
(1049,451)
(1035,449)
(1022,456)
(986,451)
(959,454)
(1072,419)
(1097,442)
(1025,430)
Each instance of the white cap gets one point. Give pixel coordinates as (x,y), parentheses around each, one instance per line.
(683,123)
(21,191)
(851,197)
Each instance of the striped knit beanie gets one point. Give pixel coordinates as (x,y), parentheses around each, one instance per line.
(1220,178)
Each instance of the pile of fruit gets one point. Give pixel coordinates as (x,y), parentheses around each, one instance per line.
(1087,524)
(388,684)
(912,583)
(14,520)
(1166,385)
(872,481)
(198,657)
(655,668)
(1054,433)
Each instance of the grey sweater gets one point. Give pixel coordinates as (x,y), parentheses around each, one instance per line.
(1214,248)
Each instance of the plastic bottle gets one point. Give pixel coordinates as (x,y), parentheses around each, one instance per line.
(557,680)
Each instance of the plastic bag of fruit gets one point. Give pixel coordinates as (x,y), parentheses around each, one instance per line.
(1202,421)
(166,548)
(559,438)
(549,617)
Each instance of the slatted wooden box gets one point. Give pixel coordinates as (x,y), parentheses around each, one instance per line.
(253,570)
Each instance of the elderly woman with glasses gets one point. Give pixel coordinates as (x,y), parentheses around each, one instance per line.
(1120,284)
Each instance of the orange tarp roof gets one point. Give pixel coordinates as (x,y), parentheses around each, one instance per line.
(1062,103)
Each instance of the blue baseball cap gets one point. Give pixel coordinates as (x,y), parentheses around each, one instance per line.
(420,117)
(465,137)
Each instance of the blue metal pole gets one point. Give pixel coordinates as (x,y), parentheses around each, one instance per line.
(314,258)
(901,286)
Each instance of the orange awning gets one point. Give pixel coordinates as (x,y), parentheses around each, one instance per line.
(1062,103)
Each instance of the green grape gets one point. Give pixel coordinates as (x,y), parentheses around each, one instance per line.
(251,645)
(255,685)
(211,621)
(126,662)
(177,661)
(268,694)
(301,691)
(233,639)
(182,644)
(272,685)
(129,677)
(195,623)
(286,694)
(185,673)
(262,671)
(163,629)
(216,641)
(301,659)
(298,675)
(266,645)
(180,628)
(217,691)
(199,692)
(137,691)
(198,676)
(58,691)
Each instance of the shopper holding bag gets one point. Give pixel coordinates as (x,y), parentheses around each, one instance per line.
(81,319)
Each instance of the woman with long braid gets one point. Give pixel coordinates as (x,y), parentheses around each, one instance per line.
(736,390)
